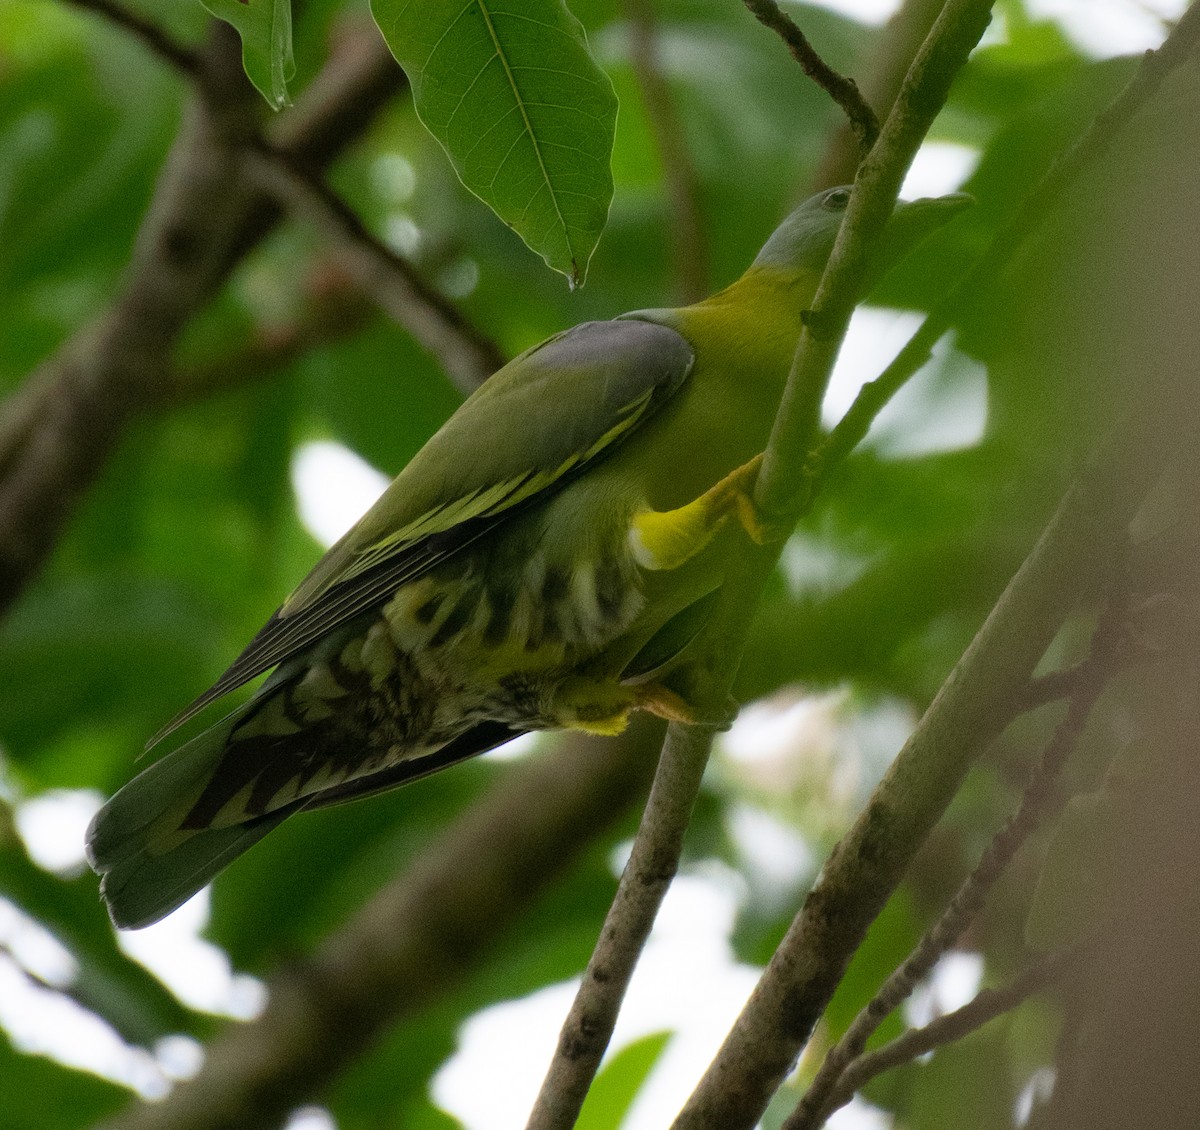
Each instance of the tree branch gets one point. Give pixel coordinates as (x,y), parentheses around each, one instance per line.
(644,883)
(896,48)
(175,54)
(844,91)
(985,1007)
(976,702)
(1039,795)
(425,931)
(467,355)
(660,835)
(58,428)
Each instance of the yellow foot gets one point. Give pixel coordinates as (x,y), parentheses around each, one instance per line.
(668,539)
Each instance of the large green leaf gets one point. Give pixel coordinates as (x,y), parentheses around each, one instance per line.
(266,30)
(510,90)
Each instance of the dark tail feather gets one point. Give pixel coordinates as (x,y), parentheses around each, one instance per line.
(150,863)
(146,885)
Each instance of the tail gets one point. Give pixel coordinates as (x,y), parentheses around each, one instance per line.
(148,863)
(154,843)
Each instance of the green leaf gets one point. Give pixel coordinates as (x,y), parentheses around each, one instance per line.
(266,30)
(525,115)
(617,1085)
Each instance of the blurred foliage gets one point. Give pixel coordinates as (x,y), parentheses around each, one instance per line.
(191,537)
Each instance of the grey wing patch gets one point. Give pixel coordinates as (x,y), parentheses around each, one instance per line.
(582,393)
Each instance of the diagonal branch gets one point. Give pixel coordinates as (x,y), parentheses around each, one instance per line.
(180,57)
(844,91)
(644,883)
(780,489)
(467,355)
(1039,795)
(589,1026)
(58,428)
(885,71)
(982,693)
(986,1006)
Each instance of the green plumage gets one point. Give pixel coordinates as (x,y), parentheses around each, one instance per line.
(542,562)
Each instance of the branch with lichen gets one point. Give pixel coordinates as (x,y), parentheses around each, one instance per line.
(1026,220)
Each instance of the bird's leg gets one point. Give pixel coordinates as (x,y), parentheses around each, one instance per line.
(661,700)
(667,539)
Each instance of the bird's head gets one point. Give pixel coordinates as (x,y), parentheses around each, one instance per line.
(803,241)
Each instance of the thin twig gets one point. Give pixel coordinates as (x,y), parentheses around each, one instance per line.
(688,237)
(644,883)
(844,91)
(656,848)
(1027,219)
(181,58)
(468,356)
(983,1008)
(894,52)
(720,1101)
(1038,796)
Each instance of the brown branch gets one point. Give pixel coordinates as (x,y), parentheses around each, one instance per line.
(644,883)
(844,91)
(1039,795)
(985,1007)
(657,846)
(427,930)
(99,380)
(688,238)
(57,430)
(467,355)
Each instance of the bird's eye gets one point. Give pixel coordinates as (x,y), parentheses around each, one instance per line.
(836,199)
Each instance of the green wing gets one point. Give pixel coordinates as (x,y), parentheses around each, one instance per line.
(534,426)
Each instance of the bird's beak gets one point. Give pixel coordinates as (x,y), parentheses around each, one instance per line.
(913,221)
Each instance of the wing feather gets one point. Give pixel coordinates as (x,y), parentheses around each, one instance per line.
(561,406)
